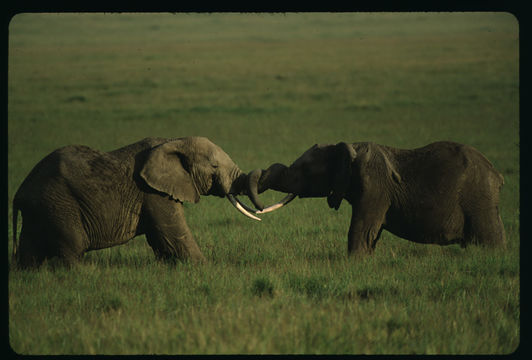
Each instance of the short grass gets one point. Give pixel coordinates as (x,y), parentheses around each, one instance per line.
(265,87)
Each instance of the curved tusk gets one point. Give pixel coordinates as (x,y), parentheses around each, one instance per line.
(239,207)
(281,203)
(248,209)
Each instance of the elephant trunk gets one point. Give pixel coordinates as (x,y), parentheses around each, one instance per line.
(273,178)
(240,187)
(256,182)
(253,188)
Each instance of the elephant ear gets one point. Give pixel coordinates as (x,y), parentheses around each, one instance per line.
(167,169)
(342,156)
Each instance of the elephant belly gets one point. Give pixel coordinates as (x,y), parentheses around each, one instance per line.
(428,225)
(112,231)
(110,223)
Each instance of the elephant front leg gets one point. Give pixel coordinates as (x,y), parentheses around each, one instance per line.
(364,232)
(168,233)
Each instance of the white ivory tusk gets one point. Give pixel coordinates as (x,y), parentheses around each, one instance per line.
(243,211)
(248,209)
(270,208)
(281,203)
(239,207)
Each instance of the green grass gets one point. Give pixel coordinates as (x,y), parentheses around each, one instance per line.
(265,88)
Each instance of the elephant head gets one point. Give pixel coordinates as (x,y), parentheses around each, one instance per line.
(186,168)
(322,171)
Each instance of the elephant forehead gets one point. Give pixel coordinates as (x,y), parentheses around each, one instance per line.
(206,150)
(199,146)
(200,142)
(316,152)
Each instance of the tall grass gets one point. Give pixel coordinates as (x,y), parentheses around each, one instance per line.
(265,88)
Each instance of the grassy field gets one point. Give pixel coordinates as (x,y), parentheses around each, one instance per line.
(265,88)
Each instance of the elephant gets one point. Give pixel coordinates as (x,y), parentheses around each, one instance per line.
(443,193)
(78,199)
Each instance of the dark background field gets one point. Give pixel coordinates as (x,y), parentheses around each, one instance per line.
(265,87)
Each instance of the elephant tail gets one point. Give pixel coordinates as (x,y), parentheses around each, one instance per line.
(15,220)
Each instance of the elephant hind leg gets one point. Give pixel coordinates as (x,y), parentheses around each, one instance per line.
(31,253)
(485,228)
(36,247)
(71,250)
(46,235)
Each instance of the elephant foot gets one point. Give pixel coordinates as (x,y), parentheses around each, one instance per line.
(182,251)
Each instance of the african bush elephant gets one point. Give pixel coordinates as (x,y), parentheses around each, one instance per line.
(443,193)
(78,199)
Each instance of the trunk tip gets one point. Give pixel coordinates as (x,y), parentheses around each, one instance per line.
(253,188)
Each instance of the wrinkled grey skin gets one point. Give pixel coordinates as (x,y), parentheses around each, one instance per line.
(443,193)
(78,199)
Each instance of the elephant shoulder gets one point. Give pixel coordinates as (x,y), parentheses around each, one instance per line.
(132,149)
(363,150)
(377,162)
(146,143)
(373,153)
(361,146)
